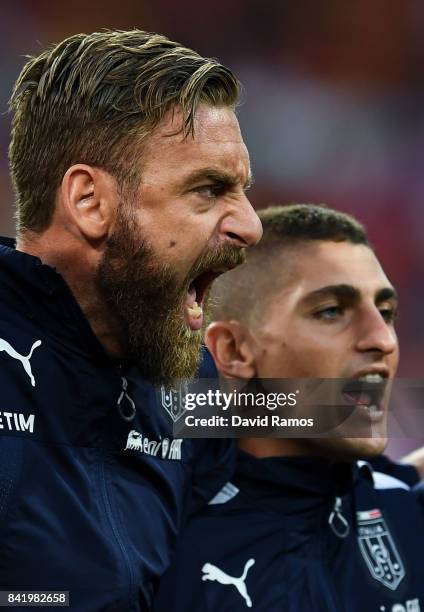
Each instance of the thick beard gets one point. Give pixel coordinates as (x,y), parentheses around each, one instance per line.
(148,301)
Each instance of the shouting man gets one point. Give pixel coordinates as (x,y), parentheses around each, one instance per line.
(130,175)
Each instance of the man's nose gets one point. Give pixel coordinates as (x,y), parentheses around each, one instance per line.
(375,334)
(241,226)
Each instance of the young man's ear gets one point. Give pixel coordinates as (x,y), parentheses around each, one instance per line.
(89,198)
(231,346)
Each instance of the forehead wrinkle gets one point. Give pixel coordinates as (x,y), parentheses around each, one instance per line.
(216,175)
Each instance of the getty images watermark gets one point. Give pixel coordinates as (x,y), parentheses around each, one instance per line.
(296,408)
(242,401)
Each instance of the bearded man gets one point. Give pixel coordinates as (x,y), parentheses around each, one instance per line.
(130,175)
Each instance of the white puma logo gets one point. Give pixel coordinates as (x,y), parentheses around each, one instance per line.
(211,572)
(24,359)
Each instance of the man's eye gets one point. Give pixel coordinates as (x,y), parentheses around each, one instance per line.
(389,314)
(328,314)
(210,191)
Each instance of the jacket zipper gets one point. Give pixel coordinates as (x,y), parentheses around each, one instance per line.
(114,527)
(337,521)
(129,415)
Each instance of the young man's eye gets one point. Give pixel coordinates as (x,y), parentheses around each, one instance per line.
(328,314)
(389,314)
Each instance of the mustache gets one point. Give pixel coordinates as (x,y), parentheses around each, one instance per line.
(223,257)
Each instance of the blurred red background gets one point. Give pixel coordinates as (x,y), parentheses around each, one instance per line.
(333,108)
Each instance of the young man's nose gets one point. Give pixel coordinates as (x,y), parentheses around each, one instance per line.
(375,334)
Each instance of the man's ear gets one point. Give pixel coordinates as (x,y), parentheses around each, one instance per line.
(89,198)
(231,346)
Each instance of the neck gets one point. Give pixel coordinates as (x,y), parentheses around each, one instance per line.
(77,266)
(271,447)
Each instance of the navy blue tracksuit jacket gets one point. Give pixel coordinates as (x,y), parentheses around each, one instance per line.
(301,535)
(92,485)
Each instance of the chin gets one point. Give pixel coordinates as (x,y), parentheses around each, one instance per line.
(348,449)
(356,448)
(372,447)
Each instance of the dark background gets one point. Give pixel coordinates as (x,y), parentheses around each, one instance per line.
(333,108)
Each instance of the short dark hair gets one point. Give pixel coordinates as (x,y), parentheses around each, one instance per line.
(86,99)
(288,224)
(240,293)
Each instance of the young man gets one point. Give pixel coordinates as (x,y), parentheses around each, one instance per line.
(130,174)
(302,527)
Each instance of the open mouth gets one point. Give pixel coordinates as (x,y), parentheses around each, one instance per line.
(196,295)
(367,393)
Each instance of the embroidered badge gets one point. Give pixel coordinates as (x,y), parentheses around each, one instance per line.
(378,549)
(173,401)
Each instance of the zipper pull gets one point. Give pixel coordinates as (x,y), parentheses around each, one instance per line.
(337,521)
(124,394)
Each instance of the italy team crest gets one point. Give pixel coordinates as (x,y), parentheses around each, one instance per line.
(173,400)
(378,549)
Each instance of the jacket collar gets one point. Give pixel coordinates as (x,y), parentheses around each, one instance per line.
(288,478)
(40,293)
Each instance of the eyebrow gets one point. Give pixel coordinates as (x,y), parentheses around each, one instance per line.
(226,179)
(388,293)
(348,293)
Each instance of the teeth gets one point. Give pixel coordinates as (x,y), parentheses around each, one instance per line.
(372,408)
(372,378)
(195,310)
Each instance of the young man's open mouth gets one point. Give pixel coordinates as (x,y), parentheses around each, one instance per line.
(368,392)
